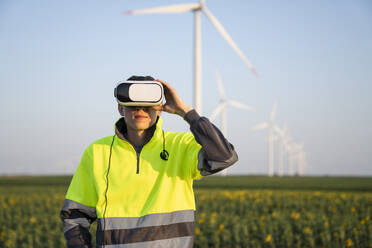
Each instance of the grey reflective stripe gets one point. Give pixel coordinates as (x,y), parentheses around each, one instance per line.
(147,220)
(72,220)
(181,242)
(71,223)
(213,166)
(70,204)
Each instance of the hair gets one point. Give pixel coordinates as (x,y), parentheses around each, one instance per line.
(141,78)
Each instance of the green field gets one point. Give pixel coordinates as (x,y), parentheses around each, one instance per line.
(230,182)
(234,211)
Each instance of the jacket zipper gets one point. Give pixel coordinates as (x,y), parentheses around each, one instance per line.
(138,160)
(138,157)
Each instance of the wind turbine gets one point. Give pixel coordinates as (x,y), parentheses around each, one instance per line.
(282,138)
(221,109)
(270,126)
(295,152)
(292,150)
(197,8)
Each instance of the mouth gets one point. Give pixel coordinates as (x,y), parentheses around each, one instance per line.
(140,117)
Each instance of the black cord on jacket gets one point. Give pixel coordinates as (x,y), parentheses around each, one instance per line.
(107,184)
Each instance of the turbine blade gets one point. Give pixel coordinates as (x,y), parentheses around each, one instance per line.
(220,85)
(261,126)
(178,8)
(241,105)
(273,112)
(217,111)
(227,37)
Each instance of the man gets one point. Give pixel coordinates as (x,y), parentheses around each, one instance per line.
(138,183)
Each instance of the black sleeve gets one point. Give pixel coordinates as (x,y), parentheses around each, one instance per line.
(216,153)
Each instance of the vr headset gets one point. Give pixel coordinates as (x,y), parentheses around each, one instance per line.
(139,93)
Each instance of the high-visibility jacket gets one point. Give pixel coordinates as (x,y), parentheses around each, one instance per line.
(139,199)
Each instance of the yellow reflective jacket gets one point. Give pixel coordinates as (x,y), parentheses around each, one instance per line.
(138,198)
(159,186)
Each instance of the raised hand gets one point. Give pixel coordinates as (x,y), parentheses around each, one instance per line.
(173,102)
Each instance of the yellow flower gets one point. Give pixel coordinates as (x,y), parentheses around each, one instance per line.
(8,243)
(11,203)
(307,230)
(212,220)
(353,210)
(228,194)
(221,227)
(362,222)
(349,243)
(273,214)
(295,216)
(326,224)
(32,220)
(268,238)
(197,231)
(201,221)
(262,217)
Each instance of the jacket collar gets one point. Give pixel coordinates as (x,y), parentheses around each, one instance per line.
(121,129)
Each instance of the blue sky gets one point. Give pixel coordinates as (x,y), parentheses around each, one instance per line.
(60,61)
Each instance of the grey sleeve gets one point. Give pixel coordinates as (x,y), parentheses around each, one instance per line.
(76,220)
(216,153)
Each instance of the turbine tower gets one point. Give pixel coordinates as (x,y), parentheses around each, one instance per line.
(197,8)
(270,126)
(221,109)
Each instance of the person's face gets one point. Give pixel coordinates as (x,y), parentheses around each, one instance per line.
(139,118)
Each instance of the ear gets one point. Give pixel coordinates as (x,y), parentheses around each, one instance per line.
(121,109)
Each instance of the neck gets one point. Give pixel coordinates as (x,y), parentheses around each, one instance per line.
(138,137)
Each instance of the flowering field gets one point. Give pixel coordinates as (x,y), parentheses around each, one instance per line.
(29,217)
(266,218)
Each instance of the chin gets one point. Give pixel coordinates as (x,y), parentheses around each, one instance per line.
(141,126)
